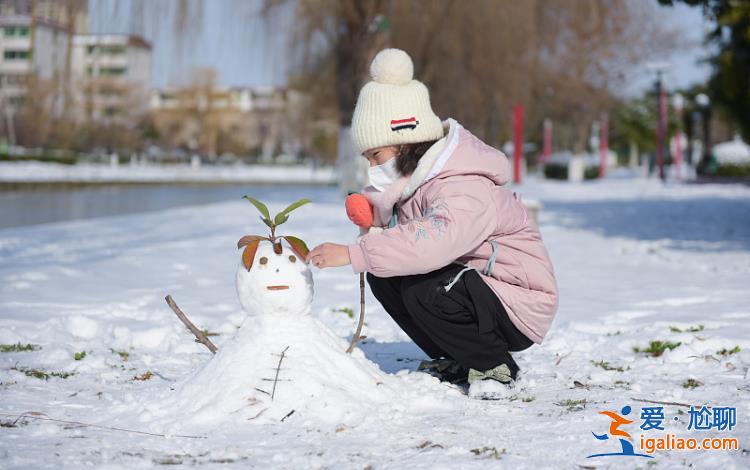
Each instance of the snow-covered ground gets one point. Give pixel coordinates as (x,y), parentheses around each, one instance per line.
(38,172)
(636,261)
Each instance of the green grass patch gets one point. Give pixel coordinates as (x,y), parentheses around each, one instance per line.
(18,347)
(692,329)
(345,310)
(656,348)
(573,405)
(42,375)
(729,352)
(691,383)
(79,355)
(606,366)
(490,452)
(124,355)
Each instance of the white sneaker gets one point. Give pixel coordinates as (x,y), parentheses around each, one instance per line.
(489,389)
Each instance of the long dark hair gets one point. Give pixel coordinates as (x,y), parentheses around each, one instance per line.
(409,155)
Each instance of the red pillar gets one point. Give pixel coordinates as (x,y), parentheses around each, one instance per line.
(603,145)
(517,142)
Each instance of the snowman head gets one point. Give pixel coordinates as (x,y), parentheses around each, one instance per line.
(274,280)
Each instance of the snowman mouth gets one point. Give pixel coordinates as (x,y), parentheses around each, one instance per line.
(277,287)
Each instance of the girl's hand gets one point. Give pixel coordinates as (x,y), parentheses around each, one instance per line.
(328,255)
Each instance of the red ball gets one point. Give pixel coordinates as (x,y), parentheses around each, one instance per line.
(359,210)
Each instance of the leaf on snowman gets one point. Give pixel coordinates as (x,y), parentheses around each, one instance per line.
(298,246)
(283,216)
(260,206)
(249,238)
(248,255)
(280,218)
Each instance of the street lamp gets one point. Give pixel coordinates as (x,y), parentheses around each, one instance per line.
(704,104)
(661,124)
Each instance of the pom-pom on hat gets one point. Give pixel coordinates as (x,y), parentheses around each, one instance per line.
(393,108)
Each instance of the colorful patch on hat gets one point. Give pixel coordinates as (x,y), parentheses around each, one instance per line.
(399,124)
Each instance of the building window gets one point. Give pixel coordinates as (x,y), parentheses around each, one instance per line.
(112,71)
(16,31)
(16,55)
(112,50)
(16,100)
(14,79)
(105,49)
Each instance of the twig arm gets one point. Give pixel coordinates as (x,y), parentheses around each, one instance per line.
(193,329)
(357,334)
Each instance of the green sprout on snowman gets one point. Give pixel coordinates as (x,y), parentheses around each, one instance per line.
(251,242)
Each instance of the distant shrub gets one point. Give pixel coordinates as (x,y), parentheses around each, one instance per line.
(556,171)
(591,173)
(65,160)
(733,170)
(559,171)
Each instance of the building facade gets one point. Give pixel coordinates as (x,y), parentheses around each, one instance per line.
(212,120)
(33,55)
(111,75)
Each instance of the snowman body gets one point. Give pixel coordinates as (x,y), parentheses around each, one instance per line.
(281,361)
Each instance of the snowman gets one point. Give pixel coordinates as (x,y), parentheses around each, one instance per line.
(282,364)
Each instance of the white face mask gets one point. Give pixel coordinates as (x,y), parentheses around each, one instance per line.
(381,176)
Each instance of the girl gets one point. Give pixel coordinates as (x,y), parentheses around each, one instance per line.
(453,256)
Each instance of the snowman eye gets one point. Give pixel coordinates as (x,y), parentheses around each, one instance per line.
(292,258)
(263,260)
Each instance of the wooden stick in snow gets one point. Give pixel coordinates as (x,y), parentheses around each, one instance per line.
(44,417)
(193,329)
(357,334)
(673,403)
(278,368)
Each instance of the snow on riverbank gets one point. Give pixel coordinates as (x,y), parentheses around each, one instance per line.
(37,172)
(635,262)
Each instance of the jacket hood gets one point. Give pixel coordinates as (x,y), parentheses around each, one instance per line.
(459,152)
(466,154)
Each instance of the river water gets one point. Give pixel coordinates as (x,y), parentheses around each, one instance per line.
(37,206)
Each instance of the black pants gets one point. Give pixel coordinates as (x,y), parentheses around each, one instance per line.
(468,323)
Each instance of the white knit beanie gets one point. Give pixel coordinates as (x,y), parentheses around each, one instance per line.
(393,109)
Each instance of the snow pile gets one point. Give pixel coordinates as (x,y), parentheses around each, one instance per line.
(316,378)
(734,152)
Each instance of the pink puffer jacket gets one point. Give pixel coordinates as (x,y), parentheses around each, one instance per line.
(451,209)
